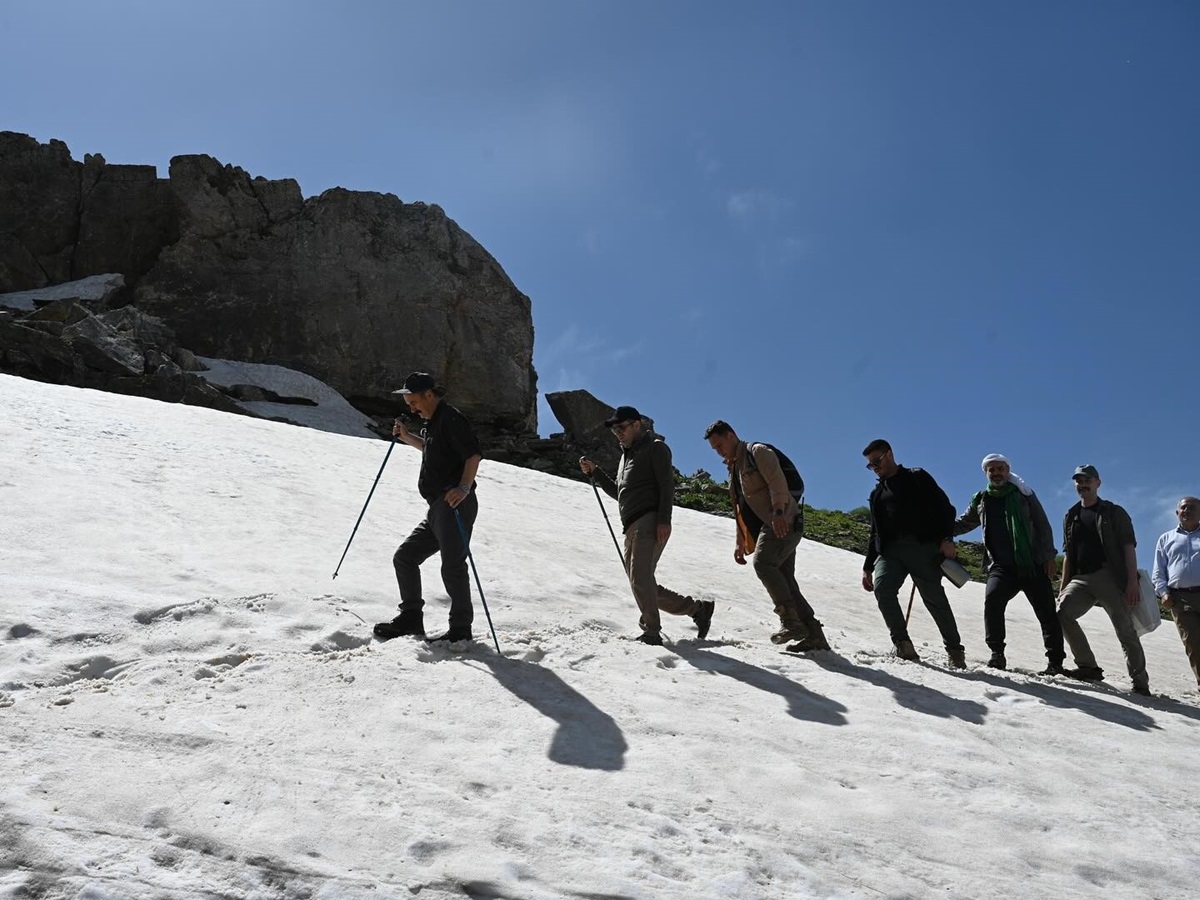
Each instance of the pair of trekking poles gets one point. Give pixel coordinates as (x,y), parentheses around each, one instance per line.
(462,530)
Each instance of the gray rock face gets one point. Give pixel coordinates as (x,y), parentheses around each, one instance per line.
(121,351)
(356,289)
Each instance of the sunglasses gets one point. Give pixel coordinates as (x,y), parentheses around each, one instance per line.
(1186,507)
(622,427)
(876,462)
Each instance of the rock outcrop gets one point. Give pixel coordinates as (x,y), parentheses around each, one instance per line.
(356,289)
(121,350)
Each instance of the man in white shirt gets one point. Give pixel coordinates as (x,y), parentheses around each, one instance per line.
(1177,577)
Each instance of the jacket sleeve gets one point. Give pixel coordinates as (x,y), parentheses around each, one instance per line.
(1123,527)
(606,484)
(872,549)
(768,466)
(1042,538)
(969,520)
(660,459)
(941,510)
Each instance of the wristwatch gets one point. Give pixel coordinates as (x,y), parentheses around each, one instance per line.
(465,488)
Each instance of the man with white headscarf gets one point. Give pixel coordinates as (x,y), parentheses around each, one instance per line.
(1020,557)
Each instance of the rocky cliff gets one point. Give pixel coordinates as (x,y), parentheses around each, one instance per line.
(354,288)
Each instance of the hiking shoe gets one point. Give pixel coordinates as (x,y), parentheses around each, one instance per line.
(407,623)
(997,661)
(783,635)
(461,633)
(1053,668)
(1143,689)
(1085,673)
(653,638)
(703,618)
(808,645)
(957,657)
(816,637)
(906,650)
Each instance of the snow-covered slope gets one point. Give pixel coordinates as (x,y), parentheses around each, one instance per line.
(190,707)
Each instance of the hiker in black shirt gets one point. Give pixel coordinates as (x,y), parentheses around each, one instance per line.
(450,458)
(1100,569)
(912,520)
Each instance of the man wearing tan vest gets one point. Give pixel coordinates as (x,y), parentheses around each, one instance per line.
(770,526)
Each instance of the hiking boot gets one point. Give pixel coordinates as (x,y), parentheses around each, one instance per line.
(906,650)
(653,638)
(957,657)
(1053,668)
(407,623)
(814,641)
(703,618)
(1085,673)
(997,661)
(783,635)
(457,633)
(1143,689)
(808,645)
(793,629)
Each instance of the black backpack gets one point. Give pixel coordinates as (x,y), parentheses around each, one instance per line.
(794,482)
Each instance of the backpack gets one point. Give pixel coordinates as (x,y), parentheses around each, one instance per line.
(794,482)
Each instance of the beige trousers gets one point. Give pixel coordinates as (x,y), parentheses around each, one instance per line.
(642,551)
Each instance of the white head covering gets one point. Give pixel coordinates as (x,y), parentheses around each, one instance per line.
(1012,476)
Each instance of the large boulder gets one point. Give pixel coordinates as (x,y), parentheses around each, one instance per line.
(62,220)
(582,417)
(354,288)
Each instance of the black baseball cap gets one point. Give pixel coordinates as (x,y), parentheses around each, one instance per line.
(417,383)
(1087,471)
(623,414)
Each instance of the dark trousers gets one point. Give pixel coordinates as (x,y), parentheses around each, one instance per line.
(1002,586)
(1185,608)
(903,558)
(439,533)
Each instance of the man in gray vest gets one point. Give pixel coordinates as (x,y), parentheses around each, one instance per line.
(1100,569)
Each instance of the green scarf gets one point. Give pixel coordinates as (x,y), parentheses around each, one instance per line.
(1022,548)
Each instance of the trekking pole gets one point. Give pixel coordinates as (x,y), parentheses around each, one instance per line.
(462,530)
(391,446)
(620,555)
(911,594)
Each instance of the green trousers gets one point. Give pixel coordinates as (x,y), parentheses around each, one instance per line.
(903,558)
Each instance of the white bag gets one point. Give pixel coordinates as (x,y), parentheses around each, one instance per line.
(1146,615)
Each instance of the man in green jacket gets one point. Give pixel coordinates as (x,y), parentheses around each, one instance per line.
(644,490)
(1100,569)
(1019,556)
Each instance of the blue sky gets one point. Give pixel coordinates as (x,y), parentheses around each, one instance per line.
(965,227)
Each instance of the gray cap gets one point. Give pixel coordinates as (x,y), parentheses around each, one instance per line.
(1089,471)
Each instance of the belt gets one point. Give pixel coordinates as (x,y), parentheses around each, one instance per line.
(1187,590)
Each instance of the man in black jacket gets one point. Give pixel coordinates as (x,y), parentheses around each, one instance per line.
(912,520)
(645,491)
(450,458)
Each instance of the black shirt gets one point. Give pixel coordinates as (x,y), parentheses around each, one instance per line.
(449,442)
(909,504)
(996,536)
(1089,549)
